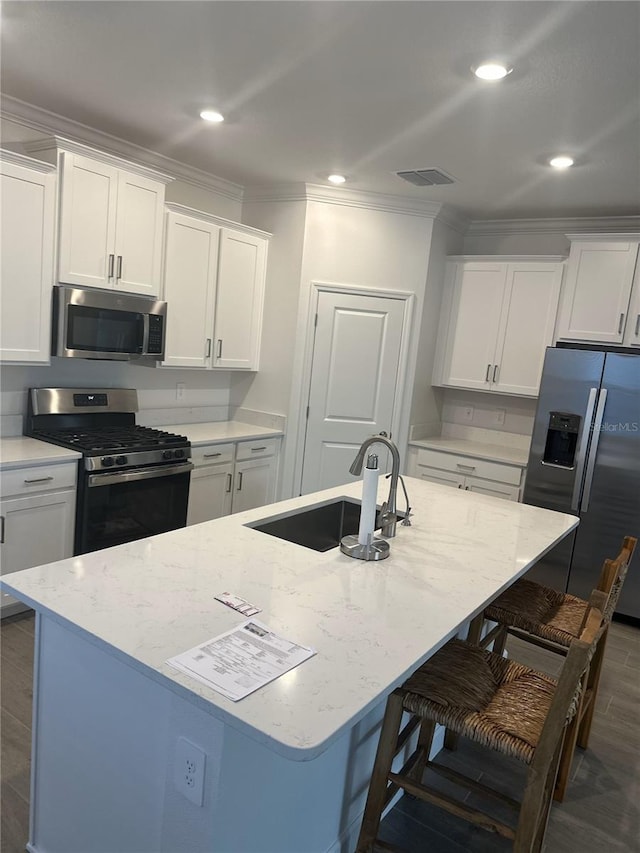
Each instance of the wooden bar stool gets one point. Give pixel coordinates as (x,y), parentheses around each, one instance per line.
(551,620)
(503,705)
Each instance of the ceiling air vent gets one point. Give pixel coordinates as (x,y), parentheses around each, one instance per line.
(426,177)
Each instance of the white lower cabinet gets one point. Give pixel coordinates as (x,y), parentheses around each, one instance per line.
(232,477)
(37,517)
(467,472)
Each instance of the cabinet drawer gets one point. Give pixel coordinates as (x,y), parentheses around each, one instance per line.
(212,454)
(39,478)
(470,466)
(258,448)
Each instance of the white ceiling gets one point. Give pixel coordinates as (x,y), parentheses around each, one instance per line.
(365,88)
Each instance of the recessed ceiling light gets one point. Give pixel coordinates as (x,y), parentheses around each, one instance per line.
(561,162)
(337,179)
(491,71)
(211,115)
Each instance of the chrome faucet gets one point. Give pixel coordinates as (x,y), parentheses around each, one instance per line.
(388,516)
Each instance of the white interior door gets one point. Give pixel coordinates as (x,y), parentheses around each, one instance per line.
(353,388)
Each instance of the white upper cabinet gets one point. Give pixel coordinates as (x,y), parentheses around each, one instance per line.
(498,317)
(111,218)
(238,315)
(27,196)
(596,299)
(214,278)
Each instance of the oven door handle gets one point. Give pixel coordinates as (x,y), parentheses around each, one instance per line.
(131,476)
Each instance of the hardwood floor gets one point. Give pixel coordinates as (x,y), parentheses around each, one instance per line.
(601,810)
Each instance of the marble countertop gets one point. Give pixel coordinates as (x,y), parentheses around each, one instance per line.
(372,623)
(218,431)
(21,451)
(478,449)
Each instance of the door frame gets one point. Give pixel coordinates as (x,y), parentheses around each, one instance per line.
(399,423)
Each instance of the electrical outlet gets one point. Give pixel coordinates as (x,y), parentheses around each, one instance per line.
(180,389)
(467,413)
(500,415)
(189,770)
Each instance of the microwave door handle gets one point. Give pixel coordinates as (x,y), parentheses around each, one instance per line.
(145,334)
(593,450)
(581,455)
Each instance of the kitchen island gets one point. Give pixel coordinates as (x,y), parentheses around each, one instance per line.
(286,769)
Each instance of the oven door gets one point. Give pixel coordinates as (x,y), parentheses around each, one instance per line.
(122,506)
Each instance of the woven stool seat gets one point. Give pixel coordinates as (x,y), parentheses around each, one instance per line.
(545,612)
(498,703)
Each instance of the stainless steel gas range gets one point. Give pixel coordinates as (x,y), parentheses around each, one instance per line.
(133,481)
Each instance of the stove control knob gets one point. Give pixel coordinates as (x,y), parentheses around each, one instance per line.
(179,453)
(167,454)
(107,461)
(121,460)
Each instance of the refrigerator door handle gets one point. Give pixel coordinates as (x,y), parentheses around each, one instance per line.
(581,455)
(593,450)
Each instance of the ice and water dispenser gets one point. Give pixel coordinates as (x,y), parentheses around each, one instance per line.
(562,439)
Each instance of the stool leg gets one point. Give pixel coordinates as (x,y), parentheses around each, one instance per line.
(425,739)
(376,798)
(584,729)
(500,641)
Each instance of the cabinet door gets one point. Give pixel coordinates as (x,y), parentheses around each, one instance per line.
(526,329)
(210,493)
(191,255)
(596,296)
(138,236)
(255,483)
(473,325)
(240,293)
(489,487)
(35,530)
(88,199)
(26,275)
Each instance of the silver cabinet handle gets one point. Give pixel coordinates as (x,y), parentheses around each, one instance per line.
(210,455)
(119,269)
(240,481)
(111,262)
(258,449)
(637,325)
(208,352)
(40,480)
(620,324)
(496,368)
(465,467)
(593,450)
(219,353)
(581,455)
(1,529)
(486,378)
(229,482)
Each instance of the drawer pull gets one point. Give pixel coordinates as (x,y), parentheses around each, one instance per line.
(1,529)
(257,449)
(486,378)
(210,455)
(229,482)
(39,480)
(240,481)
(465,467)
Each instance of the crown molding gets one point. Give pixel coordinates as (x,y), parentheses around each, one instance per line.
(388,203)
(453,219)
(51,124)
(582,225)
(18,159)
(201,215)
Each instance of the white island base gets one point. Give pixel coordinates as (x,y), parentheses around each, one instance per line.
(104,768)
(287,768)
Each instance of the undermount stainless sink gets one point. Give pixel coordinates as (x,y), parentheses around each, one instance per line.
(318,527)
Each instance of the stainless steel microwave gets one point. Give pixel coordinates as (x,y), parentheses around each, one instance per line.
(105,324)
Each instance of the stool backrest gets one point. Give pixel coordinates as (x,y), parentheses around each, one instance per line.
(612,577)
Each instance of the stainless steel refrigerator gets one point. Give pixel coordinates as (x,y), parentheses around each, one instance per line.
(585,460)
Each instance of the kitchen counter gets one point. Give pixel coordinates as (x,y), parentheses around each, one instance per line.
(108,621)
(221,431)
(477,449)
(23,452)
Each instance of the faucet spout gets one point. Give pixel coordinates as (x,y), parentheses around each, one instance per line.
(389,516)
